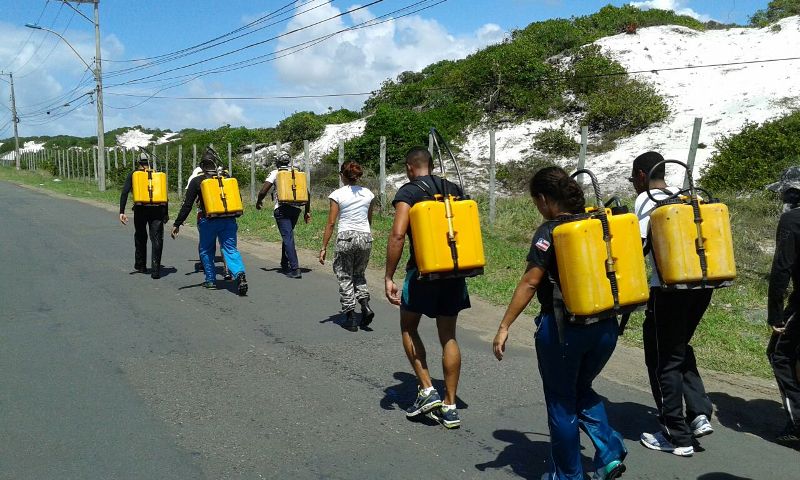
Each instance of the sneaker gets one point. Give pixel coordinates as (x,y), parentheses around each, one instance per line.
(611,471)
(209,284)
(657,441)
(155,273)
(366,313)
(701,426)
(227,276)
(241,284)
(790,434)
(140,269)
(294,273)
(424,403)
(448,417)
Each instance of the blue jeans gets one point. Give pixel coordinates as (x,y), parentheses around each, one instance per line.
(224,229)
(567,371)
(286,218)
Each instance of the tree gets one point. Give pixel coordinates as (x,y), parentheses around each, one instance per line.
(776,10)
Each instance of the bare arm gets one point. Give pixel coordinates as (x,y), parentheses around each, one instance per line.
(369,212)
(262,194)
(523,294)
(394,250)
(333,214)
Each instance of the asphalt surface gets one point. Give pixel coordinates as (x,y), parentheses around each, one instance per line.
(108,374)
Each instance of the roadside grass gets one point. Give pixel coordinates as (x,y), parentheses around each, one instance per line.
(732,337)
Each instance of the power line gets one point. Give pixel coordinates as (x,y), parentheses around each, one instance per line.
(25,43)
(56,42)
(44,37)
(457,87)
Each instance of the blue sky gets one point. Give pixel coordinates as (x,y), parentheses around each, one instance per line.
(49,77)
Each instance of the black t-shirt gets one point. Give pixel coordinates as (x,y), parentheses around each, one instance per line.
(421,189)
(542,254)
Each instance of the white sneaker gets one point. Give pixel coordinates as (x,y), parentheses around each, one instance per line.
(657,441)
(701,426)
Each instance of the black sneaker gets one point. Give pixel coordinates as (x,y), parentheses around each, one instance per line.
(140,269)
(241,284)
(448,417)
(156,273)
(424,403)
(790,434)
(227,276)
(350,323)
(294,273)
(366,313)
(209,284)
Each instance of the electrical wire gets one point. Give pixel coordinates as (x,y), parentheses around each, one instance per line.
(41,42)
(56,42)
(30,34)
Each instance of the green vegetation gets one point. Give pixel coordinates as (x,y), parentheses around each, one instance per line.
(731,338)
(754,157)
(776,10)
(556,142)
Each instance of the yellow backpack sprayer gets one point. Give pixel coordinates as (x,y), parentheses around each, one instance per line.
(292,186)
(221,196)
(600,261)
(691,238)
(446,230)
(149,187)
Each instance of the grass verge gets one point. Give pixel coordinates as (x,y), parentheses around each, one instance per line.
(731,338)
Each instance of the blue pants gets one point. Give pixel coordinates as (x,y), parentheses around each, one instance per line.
(568,370)
(286,218)
(225,229)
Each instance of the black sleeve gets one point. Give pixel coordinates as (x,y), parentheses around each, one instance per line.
(404,195)
(191,195)
(782,264)
(126,189)
(542,254)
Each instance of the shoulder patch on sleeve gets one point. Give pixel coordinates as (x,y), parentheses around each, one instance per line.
(542,244)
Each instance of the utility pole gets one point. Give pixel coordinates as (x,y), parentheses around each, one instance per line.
(14,118)
(98,77)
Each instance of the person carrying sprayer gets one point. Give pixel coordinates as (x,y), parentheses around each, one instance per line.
(145,217)
(351,205)
(211,230)
(671,318)
(226,274)
(570,354)
(286,216)
(784,345)
(440,299)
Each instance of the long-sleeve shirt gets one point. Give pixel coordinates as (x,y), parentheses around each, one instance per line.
(785,267)
(126,190)
(192,195)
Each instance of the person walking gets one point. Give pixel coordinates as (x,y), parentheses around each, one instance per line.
(145,218)
(570,353)
(211,230)
(671,318)
(286,216)
(351,207)
(440,299)
(783,350)
(226,274)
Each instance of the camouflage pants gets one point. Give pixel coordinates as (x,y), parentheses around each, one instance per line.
(349,264)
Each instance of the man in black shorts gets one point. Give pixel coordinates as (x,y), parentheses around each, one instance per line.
(439,299)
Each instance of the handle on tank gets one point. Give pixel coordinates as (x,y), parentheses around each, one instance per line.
(448,208)
(150,184)
(595,184)
(695,203)
(610,264)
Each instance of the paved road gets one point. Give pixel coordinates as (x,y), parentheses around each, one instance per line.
(111,375)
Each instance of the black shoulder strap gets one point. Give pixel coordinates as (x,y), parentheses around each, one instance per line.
(423,186)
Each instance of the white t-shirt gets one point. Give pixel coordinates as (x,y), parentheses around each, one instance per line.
(196,172)
(272,178)
(354,202)
(643,207)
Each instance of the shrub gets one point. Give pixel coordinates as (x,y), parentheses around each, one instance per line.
(556,142)
(754,157)
(776,10)
(627,105)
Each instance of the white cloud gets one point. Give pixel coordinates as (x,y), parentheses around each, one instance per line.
(224,112)
(359,60)
(678,6)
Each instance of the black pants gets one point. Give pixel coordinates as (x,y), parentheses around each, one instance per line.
(670,322)
(783,352)
(151,218)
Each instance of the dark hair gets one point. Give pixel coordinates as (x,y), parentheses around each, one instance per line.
(208,161)
(352,171)
(419,157)
(554,183)
(646,161)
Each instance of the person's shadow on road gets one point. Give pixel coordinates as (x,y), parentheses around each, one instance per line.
(339,319)
(721,476)
(526,458)
(760,417)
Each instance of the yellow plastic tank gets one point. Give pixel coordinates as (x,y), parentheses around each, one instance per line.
(292,187)
(432,248)
(582,255)
(149,187)
(221,197)
(674,238)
